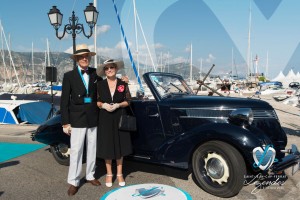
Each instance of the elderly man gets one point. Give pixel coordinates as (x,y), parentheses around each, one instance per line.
(79,114)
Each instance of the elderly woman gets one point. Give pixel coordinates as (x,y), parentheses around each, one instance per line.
(113,97)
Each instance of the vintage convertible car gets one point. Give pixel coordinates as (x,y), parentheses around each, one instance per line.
(222,139)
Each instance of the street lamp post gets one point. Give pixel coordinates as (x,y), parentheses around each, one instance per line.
(91,16)
(73,27)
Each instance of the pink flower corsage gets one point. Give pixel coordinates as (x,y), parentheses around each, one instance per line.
(121,88)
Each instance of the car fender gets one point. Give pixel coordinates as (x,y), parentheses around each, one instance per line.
(179,150)
(51,132)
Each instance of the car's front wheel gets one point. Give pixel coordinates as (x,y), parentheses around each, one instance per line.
(61,153)
(219,168)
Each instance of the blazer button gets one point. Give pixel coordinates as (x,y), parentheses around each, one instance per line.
(79,95)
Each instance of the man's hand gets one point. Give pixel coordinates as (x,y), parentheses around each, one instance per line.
(107,107)
(67,129)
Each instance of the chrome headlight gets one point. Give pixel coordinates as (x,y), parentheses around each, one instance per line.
(241,117)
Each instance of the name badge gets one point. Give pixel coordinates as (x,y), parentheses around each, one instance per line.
(87,100)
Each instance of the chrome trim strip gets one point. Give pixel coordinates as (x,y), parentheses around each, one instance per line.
(198,117)
(144,157)
(257,114)
(203,108)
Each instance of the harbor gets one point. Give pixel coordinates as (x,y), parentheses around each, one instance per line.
(28,175)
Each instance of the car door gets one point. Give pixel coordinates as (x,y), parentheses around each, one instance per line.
(150,134)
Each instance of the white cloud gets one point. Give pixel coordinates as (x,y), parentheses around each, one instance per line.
(158,46)
(66,36)
(115,52)
(179,59)
(121,45)
(210,58)
(69,50)
(103,29)
(187,49)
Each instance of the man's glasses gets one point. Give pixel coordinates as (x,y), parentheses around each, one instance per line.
(110,67)
(83,56)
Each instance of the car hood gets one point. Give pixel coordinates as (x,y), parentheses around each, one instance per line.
(189,101)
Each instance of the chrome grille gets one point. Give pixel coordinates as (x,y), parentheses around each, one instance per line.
(264,114)
(197,113)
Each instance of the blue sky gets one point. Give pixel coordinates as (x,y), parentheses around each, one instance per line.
(217,30)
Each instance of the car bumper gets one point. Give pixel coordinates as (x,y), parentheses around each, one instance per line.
(291,160)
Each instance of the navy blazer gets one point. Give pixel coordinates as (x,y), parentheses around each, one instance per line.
(73,109)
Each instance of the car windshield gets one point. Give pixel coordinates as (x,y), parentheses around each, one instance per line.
(167,85)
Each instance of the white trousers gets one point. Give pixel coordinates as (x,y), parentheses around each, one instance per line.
(78,136)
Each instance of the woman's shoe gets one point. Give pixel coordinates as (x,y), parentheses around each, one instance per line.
(108,184)
(121,183)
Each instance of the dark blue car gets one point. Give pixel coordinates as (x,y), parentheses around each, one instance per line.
(222,139)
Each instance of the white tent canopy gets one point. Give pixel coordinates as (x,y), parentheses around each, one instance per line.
(290,77)
(280,77)
(298,76)
(286,80)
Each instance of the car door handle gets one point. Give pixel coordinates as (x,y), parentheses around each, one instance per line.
(155,115)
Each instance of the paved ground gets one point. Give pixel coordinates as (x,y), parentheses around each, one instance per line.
(38,176)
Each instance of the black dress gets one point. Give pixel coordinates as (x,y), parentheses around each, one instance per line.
(112,143)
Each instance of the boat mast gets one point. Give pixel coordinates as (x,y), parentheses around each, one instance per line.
(136,39)
(161,63)
(249,44)
(200,76)
(168,62)
(267,65)
(32,63)
(2,54)
(191,65)
(44,66)
(256,65)
(10,57)
(144,37)
(47,57)
(48,53)
(231,64)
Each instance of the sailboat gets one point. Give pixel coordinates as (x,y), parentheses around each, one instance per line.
(4,40)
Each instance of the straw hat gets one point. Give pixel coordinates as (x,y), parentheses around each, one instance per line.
(80,50)
(100,68)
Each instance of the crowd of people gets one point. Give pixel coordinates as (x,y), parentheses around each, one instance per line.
(91,108)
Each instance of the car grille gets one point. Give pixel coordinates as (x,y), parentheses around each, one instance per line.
(264,114)
(207,113)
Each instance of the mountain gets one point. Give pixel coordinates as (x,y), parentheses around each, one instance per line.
(24,68)
(23,65)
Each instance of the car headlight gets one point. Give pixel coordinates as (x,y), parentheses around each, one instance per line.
(241,117)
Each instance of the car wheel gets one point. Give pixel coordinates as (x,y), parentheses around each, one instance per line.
(219,168)
(61,153)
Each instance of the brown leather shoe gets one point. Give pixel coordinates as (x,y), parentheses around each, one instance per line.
(72,190)
(94,182)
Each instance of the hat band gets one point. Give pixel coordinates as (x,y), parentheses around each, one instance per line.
(82,51)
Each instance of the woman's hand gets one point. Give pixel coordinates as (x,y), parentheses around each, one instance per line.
(107,107)
(115,106)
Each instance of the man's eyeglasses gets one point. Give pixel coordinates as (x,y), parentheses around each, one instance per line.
(110,67)
(83,56)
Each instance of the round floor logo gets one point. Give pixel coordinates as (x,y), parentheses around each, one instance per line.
(150,191)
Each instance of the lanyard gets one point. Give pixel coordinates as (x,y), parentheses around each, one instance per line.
(83,80)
